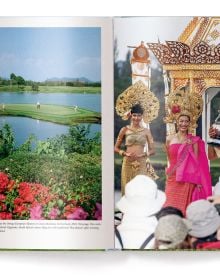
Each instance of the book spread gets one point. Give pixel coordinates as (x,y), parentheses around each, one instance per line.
(109,133)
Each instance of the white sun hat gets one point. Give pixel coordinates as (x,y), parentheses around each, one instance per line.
(141,197)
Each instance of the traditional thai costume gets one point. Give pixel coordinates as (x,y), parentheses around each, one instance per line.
(188,176)
(139,166)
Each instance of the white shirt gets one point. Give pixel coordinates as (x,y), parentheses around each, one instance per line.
(135,230)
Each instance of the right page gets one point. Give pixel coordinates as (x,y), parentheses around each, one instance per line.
(167,130)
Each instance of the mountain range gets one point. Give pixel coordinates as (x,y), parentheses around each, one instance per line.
(68,79)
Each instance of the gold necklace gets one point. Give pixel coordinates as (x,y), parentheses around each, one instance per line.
(135,129)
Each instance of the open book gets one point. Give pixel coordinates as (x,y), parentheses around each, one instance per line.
(75,90)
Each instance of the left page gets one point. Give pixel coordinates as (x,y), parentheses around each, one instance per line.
(56,160)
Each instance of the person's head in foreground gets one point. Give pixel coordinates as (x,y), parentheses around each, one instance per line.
(169,210)
(205,222)
(142,197)
(172,233)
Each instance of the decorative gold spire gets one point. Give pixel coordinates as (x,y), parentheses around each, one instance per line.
(140,54)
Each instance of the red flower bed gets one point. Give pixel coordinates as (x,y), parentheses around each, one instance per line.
(37,202)
(3,182)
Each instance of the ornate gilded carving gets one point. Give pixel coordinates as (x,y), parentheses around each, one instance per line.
(179,50)
(175,52)
(212,37)
(202,28)
(199,67)
(138,93)
(214,34)
(185,74)
(179,83)
(188,30)
(163,53)
(193,65)
(199,85)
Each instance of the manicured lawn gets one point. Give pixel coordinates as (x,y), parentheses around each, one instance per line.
(66,115)
(51,89)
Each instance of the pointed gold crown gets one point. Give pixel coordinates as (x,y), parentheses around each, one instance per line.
(138,93)
(184,102)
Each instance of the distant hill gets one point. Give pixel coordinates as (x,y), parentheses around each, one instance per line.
(67,79)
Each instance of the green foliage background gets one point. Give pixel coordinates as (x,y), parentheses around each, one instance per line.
(69,164)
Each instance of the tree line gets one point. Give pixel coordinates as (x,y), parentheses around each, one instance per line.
(20,82)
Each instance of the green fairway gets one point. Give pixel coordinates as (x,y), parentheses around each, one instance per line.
(51,89)
(66,115)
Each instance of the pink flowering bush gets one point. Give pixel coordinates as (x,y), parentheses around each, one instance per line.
(54,213)
(36,213)
(77,214)
(98,212)
(34,201)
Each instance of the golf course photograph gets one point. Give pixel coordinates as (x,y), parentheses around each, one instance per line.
(50,123)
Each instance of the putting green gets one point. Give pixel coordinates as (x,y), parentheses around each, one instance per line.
(66,115)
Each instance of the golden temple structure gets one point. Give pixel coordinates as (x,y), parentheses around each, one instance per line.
(192,63)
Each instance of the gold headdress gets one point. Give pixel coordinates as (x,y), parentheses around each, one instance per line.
(138,93)
(184,102)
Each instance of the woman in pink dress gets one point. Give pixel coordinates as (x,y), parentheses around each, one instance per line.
(188,176)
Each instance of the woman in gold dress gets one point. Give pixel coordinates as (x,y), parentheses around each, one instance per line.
(134,157)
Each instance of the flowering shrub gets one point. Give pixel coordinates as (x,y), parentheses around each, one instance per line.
(3,182)
(34,201)
(76,174)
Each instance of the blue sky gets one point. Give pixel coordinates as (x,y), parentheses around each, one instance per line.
(41,53)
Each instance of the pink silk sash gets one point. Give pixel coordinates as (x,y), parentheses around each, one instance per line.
(194,170)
